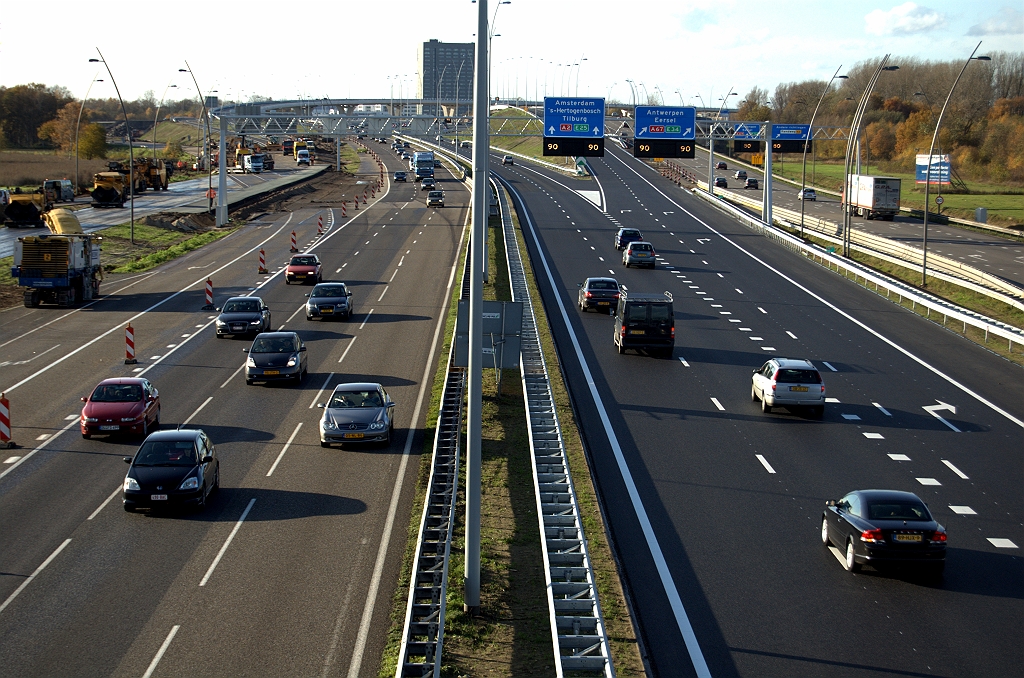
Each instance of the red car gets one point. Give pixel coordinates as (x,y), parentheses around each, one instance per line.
(125,405)
(304,268)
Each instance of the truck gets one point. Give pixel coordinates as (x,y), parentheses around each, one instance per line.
(299,145)
(268,162)
(155,173)
(286,147)
(874,197)
(62,189)
(109,189)
(27,209)
(253,163)
(62,267)
(422,164)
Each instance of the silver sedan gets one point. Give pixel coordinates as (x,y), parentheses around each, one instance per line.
(357,413)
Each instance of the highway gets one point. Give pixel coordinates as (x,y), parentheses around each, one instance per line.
(180,194)
(715,507)
(988,252)
(291,568)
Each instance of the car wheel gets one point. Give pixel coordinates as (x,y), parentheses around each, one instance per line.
(156,422)
(850,562)
(145,428)
(765,407)
(87,435)
(248,382)
(216,478)
(287,281)
(621,348)
(201,504)
(324,443)
(219,336)
(824,532)
(129,509)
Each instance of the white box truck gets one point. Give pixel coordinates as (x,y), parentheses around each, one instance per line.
(874,197)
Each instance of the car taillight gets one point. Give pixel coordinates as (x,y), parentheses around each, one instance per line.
(774,384)
(615,296)
(673,331)
(588,295)
(872,536)
(939,537)
(622,331)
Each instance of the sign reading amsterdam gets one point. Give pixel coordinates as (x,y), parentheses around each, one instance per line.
(790,138)
(664,132)
(573,126)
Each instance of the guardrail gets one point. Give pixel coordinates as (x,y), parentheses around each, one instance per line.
(947,310)
(580,643)
(423,632)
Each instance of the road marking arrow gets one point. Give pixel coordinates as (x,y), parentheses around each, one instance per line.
(935,409)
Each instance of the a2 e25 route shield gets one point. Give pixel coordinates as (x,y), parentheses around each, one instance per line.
(574,126)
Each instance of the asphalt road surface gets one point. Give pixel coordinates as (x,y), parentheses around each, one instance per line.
(988,252)
(722,535)
(291,568)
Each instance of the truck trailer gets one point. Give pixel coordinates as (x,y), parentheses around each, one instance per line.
(874,197)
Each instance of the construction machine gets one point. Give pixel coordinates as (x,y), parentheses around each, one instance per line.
(109,189)
(62,267)
(26,209)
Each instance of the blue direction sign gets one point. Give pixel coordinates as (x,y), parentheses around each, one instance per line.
(573,117)
(665,122)
(746,130)
(790,138)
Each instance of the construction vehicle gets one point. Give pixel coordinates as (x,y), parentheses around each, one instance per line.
(299,145)
(287,147)
(27,209)
(155,173)
(109,189)
(253,163)
(268,162)
(62,267)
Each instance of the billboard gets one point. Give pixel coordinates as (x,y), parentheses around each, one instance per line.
(939,173)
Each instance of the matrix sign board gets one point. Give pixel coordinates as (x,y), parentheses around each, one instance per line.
(745,137)
(574,126)
(790,138)
(664,132)
(939,173)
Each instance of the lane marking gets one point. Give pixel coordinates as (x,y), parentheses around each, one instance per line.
(762,310)
(874,436)
(382,294)
(767,348)
(28,580)
(899,457)
(346,349)
(828,365)
(995,541)
(963,510)
(851,417)
(882,409)
(392,278)
(791,334)
(764,462)
(46,442)
(685,364)
(366,318)
(105,502)
(718,404)
(293,315)
(831,400)
(954,469)
(228,380)
(160,652)
(11,460)
(739,290)
(320,392)
(284,449)
(928,481)
(224,548)
(198,410)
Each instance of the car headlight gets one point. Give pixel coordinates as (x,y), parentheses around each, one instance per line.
(131,484)
(89,419)
(250,362)
(376,425)
(221,323)
(255,322)
(190,483)
(328,425)
(293,361)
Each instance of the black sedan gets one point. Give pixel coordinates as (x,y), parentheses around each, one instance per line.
(329,300)
(243,315)
(172,469)
(599,293)
(399,176)
(884,527)
(357,413)
(276,356)
(721,182)
(624,236)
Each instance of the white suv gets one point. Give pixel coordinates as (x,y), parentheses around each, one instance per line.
(791,383)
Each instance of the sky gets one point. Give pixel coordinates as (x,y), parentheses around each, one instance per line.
(687,52)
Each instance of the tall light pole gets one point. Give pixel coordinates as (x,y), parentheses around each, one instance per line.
(458,80)
(437,106)
(711,144)
(204,114)
(810,136)
(632,91)
(79,124)
(578,64)
(680,97)
(156,117)
(928,167)
(490,36)
(851,141)
(131,151)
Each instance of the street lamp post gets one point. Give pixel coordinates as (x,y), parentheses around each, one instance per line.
(156,117)
(204,114)
(810,135)
(711,144)
(131,151)
(928,166)
(854,133)
(578,64)
(79,124)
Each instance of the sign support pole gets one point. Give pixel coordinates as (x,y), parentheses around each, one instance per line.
(222,178)
(481,210)
(766,207)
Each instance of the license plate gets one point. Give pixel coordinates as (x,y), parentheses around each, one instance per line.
(158,497)
(271,371)
(907,537)
(802,389)
(353,435)
(300,275)
(641,254)
(602,303)
(327,310)
(238,328)
(636,331)
(115,427)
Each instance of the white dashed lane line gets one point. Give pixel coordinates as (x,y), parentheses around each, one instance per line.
(874,436)
(718,404)
(955,470)
(899,457)
(764,462)
(829,366)
(928,481)
(882,409)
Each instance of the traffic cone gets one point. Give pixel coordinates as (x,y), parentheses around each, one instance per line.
(294,248)
(263,261)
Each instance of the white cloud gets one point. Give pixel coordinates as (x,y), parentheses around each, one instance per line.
(1008,21)
(902,19)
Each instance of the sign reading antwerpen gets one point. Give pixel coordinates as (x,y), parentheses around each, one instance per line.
(574,126)
(664,132)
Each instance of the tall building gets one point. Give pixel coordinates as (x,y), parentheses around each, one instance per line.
(450,65)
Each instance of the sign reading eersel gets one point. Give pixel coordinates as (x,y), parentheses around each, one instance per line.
(665,122)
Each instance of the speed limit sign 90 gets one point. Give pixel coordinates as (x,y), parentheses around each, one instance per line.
(938,200)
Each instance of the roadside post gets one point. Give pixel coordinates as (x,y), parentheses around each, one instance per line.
(129,345)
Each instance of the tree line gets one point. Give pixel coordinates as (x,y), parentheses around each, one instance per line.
(982,130)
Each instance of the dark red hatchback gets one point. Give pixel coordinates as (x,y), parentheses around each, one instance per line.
(124,405)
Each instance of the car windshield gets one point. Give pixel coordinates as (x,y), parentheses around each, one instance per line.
(897,510)
(641,247)
(792,376)
(303,261)
(167,453)
(355,399)
(273,345)
(242,306)
(435,194)
(117,393)
(603,285)
(328,291)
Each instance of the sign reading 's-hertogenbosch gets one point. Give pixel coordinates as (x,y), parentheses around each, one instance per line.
(573,126)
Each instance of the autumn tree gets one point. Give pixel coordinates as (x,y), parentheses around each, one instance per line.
(23,108)
(881,140)
(93,142)
(61,130)
(173,149)
(754,105)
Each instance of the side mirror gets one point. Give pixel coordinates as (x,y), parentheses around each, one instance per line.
(830,502)
(302,348)
(348,293)
(84,399)
(207,459)
(321,405)
(245,350)
(126,460)
(217,309)
(306,295)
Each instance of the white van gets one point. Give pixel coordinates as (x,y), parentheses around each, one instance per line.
(302,157)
